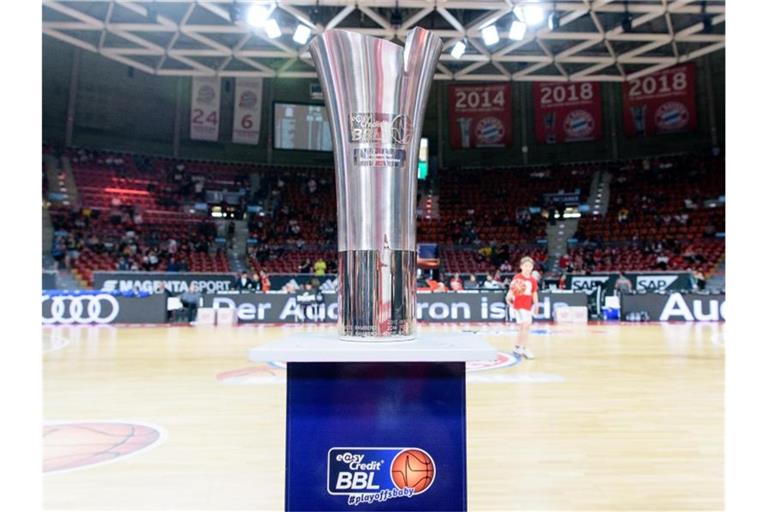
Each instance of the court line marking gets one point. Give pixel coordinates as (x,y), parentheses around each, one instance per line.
(54,348)
(161,439)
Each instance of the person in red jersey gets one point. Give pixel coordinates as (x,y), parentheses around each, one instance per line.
(523,296)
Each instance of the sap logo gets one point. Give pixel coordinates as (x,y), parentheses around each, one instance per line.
(588,284)
(677,308)
(657,283)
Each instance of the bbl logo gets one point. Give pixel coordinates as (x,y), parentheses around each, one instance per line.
(377,127)
(370,475)
(672,115)
(579,124)
(489,130)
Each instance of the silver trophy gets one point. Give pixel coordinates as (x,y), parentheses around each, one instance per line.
(376,92)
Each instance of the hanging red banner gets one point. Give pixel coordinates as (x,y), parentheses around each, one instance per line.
(567,111)
(480,116)
(664,102)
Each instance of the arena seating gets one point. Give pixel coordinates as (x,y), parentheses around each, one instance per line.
(666,206)
(119,198)
(294,216)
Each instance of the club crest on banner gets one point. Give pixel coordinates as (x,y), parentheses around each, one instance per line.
(579,124)
(489,130)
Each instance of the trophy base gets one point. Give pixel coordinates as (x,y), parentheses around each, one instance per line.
(377,295)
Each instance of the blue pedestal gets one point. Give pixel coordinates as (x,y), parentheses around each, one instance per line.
(376,436)
(376,426)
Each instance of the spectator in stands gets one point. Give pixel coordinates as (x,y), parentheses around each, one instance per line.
(190,300)
(74,247)
(58,253)
(623,216)
(491,283)
(320,267)
(471,283)
(562,284)
(244,284)
(505,267)
(173,265)
(162,290)
(456,283)
(699,280)
(623,284)
(662,261)
(435,285)
(122,264)
(266,285)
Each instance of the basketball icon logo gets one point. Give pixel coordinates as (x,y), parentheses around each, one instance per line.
(413,468)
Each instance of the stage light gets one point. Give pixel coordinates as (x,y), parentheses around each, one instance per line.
(257,16)
(302,34)
(272,29)
(517,30)
(458,50)
(530,14)
(490,35)
(554,21)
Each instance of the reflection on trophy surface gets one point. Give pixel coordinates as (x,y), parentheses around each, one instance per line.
(549,127)
(638,116)
(376,93)
(464,125)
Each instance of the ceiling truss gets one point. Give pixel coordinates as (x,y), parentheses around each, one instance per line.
(199,37)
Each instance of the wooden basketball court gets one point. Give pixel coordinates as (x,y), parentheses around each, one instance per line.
(608,417)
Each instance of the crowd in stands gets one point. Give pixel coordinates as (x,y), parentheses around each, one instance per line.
(138,212)
(665,213)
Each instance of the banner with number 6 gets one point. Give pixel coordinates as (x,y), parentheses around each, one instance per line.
(204,113)
(567,111)
(663,102)
(247,118)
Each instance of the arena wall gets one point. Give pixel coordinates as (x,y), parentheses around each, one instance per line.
(120,108)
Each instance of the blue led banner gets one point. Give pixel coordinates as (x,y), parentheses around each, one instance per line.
(376,436)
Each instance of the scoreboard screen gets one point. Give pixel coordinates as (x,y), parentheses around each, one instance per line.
(301,126)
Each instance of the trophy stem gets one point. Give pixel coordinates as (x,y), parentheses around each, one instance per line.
(377,294)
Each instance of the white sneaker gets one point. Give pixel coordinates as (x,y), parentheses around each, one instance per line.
(524,352)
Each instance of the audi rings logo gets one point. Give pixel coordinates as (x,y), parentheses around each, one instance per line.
(83,309)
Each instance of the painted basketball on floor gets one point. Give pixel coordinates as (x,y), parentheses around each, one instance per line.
(413,468)
(68,446)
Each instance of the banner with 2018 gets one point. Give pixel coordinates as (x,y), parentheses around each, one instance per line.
(567,111)
(662,102)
